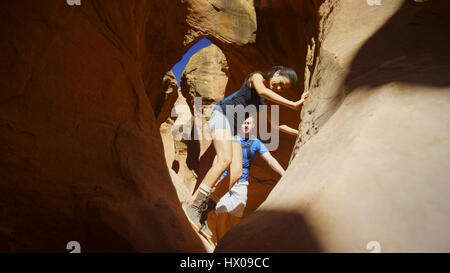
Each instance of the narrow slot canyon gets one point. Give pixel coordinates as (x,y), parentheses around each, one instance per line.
(95,126)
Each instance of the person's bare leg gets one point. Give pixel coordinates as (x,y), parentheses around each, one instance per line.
(224,150)
(197,211)
(235,172)
(236,164)
(222,188)
(224,224)
(221,224)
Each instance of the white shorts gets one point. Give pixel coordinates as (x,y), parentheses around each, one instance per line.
(234,201)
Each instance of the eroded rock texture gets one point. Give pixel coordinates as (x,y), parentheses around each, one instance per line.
(82,158)
(205,79)
(81,154)
(285,33)
(174,132)
(283,28)
(81,106)
(371,161)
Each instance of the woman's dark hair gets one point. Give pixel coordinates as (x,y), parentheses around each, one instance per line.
(284,71)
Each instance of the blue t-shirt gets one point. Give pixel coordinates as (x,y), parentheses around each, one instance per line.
(257,147)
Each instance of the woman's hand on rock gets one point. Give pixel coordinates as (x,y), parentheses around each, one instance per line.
(305,95)
(298,104)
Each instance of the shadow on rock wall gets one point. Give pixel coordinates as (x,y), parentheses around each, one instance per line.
(413,47)
(281,240)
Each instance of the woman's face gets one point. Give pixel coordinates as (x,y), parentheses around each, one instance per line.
(279,83)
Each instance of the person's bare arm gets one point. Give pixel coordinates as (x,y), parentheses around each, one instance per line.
(256,81)
(288,130)
(282,128)
(273,163)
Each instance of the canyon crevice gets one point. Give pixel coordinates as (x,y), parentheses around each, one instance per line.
(86,143)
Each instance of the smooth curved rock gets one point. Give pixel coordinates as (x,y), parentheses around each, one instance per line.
(82,157)
(371,163)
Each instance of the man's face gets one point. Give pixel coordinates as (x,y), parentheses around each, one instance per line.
(248,125)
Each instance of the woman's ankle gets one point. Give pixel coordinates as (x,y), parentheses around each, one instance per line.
(204,189)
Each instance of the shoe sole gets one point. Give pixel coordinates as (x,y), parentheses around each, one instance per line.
(208,237)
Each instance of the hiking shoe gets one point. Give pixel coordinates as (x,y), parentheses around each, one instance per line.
(195,209)
(205,230)
(207,208)
(210,206)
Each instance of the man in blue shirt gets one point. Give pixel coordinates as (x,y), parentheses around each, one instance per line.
(231,206)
